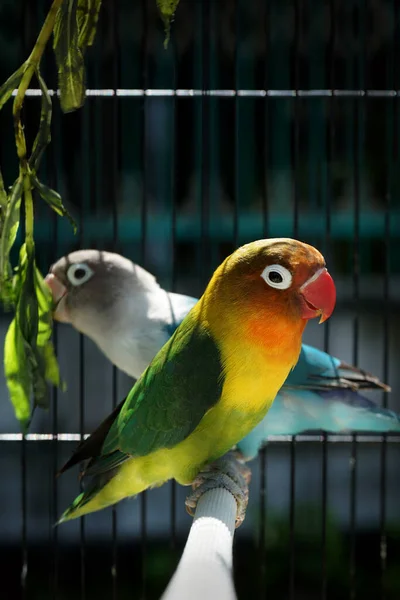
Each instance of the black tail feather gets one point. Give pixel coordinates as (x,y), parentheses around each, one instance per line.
(91,447)
(361,379)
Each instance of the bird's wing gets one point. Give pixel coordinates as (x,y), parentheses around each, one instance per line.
(333,411)
(317,370)
(167,403)
(91,447)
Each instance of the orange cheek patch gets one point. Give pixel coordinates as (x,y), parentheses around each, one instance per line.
(275,333)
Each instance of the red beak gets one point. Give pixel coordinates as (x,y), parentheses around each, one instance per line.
(319,296)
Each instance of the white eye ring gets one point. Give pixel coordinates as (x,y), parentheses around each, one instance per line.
(79,273)
(271,271)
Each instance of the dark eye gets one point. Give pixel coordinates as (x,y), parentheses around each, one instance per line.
(79,273)
(275,277)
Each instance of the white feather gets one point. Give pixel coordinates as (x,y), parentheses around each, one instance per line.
(138,328)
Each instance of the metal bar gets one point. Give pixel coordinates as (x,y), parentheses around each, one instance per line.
(143,535)
(272,439)
(54,150)
(54,483)
(173,267)
(116,172)
(324,503)
(24,543)
(81,422)
(357,157)
(263,499)
(145,71)
(391,144)
(295,166)
(236,117)
(143,253)
(392,163)
(189,93)
(265,145)
(263,522)
(327,250)
(25,18)
(85,199)
(205,143)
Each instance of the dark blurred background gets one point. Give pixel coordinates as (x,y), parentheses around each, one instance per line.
(291,129)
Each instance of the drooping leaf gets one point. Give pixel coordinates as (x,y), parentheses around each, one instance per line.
(8,233)
(45,301)
(27,312)
(88,15)
(10,226)
(27,315)
(19,272)
(53,199)
(10,85)
(17,376)
(167,9)
(34,309)
(43,136)
(30,360)
(16,368)
(69,58)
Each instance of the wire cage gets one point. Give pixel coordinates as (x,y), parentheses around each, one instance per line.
(262,118)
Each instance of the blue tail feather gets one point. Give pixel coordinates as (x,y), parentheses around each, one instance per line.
(334,411)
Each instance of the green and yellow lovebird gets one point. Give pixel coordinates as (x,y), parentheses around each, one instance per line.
(213,381)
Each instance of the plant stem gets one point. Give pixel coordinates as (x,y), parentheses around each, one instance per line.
(44,34)
(28,201)
(17,107)
(32,64)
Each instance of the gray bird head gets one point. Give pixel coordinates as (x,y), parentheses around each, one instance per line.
(88,286)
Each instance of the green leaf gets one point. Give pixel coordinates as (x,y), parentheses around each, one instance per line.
(30,360)
(34,319)
(53,199)
(10,85)
(167,9)
(28,308)
(8,233)
(43,136)
(17,376)
(19,274)
(27,315)
(69,58)
(16,370)
(45,300)
(87,15)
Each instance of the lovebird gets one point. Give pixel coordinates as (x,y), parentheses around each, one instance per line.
(212,382)
(122,308)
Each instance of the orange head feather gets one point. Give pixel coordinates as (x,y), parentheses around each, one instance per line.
(268,289)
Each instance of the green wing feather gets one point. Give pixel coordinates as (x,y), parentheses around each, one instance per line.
(91,447)
(167,403)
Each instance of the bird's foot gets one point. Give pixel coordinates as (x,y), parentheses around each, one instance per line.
(229,472)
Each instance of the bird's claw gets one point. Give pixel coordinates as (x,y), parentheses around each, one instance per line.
(229,472)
